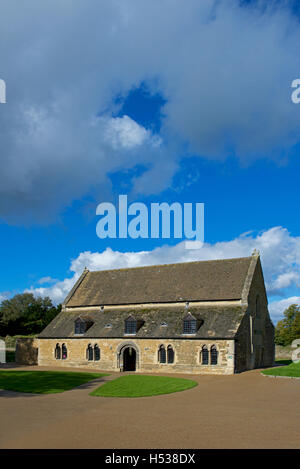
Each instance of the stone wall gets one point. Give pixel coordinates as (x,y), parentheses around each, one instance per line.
(242,346)
(283,352)
(187,354)
(255,346)
(27,351)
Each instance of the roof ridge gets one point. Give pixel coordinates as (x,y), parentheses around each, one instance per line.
(248,278)
(75,287)
(171,264)
(217,279)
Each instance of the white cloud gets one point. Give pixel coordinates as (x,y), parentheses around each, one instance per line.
(285,280)
(44,280)
(123,132)
(280,255)
(276,308)
(56,292)
(223,95)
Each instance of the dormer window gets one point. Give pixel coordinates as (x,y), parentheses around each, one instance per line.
(190,324)
(82,325)
(130,325)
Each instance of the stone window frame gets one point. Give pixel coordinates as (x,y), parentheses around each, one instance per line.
(91,352)
(166,347)
(204,346)
(209,347)
(99,352)
(120,353)
(170,346)
(64,347)
(57,351)
(160,348)
(213,347)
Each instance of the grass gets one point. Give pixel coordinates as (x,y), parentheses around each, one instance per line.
(291,370)
(141,386)
(44,382)
(283,361)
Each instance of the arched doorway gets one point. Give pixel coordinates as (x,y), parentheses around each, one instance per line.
(129,359)
(128,356)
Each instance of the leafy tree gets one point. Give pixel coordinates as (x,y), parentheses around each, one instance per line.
(288,328)
(26,314)
(296,327)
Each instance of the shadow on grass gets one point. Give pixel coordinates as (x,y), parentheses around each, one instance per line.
(283,362)
(41,383)
(291,370)
(90,384)
(5,393)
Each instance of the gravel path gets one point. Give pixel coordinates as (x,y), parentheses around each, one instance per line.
(241,411)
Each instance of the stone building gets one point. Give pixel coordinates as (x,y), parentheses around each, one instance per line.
(193,317)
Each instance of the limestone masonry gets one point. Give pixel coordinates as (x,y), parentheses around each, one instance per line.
(193,317)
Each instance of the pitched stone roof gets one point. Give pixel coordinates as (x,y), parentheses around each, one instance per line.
(216,322)
(190,281)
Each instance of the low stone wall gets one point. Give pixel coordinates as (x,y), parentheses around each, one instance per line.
(27,351)
(283,353)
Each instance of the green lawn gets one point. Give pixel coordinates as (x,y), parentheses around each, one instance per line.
(283,361)
(44,382)
(292,370)
(141,385)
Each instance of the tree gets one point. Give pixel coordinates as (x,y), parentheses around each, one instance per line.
(288,329)
(296,327)
(26,314)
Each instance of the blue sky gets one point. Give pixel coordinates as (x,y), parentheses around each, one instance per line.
(189,115)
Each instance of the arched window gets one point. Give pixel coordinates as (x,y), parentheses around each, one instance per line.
(170,353)
(64,352)
(204,355)
(162,354)
(257,307)
(96,352)
(89,353)
(213,355)
(57,352)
